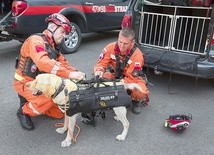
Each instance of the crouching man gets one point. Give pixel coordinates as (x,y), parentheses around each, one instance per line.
(39,54)
(123,60)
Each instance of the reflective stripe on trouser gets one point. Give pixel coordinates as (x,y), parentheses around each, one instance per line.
(136,94)
(37,105)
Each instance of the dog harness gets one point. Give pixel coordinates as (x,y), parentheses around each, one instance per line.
(61,88)
(94,97)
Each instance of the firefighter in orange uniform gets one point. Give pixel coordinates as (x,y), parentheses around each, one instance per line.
(39,54)
(123,60)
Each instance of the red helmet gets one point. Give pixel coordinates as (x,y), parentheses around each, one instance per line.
(59,20)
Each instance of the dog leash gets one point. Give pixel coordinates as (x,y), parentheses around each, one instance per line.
(74,138)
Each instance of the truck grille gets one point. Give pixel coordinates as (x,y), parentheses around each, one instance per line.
(183,29)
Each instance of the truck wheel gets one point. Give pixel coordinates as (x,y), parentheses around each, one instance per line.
(71,43)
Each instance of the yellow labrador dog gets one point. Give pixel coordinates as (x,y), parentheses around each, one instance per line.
(53,87)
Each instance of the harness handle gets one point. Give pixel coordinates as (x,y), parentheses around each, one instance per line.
(98,86)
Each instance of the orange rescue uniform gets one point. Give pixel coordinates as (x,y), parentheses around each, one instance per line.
(135,62)
(34,48)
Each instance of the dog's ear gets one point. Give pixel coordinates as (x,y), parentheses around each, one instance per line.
(49,90)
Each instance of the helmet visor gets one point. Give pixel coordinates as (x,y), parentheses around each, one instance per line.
(66,27)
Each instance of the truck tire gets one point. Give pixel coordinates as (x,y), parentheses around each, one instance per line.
(72,42)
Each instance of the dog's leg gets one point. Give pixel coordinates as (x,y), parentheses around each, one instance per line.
(121,116)
(71,125)
(64,128)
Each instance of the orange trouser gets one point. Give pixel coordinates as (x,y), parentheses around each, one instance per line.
(136,94)
(37,105)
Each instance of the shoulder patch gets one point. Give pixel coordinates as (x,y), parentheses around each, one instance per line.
(39,48)
(137,66)
(101,56)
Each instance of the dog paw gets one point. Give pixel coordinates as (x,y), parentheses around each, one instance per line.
(61,130)
(120,137)
(116,118)
(65,143)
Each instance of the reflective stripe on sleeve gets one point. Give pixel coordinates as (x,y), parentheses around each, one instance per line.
(55,68)
(18,77)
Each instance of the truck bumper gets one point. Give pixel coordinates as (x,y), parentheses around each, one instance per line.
(205,69)
(179,63)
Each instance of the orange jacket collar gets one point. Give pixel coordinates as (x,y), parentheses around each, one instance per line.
(117,50)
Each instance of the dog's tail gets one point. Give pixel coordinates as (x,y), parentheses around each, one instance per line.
(131,86)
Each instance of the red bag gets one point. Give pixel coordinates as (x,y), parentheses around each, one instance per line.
(202,2)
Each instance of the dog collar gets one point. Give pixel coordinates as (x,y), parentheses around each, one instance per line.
(61,87)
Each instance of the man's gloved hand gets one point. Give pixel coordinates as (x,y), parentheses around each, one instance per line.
(98,73)
(77,75)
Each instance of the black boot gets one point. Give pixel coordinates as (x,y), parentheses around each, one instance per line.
(22,100)
(25,120)
(89,118)
(136,108)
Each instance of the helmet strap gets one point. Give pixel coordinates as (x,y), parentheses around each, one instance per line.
(52,33)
